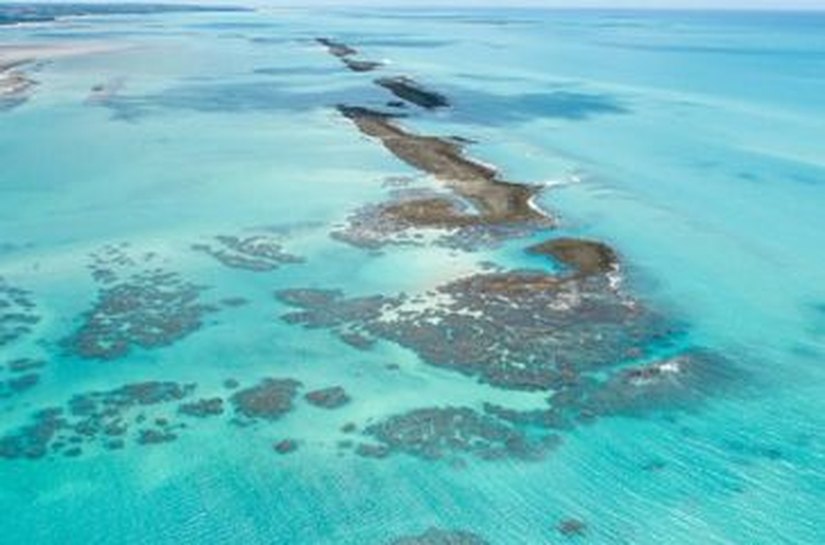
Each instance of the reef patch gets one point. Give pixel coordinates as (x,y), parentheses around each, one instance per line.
(149,309)
(521,330)
(268,400)
(438,432)
(328,398)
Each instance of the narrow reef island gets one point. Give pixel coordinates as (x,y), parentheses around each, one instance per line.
(258,284)
(522,330)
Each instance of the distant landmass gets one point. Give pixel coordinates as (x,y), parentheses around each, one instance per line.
(34,13)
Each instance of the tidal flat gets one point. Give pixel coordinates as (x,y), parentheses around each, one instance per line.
(426,276)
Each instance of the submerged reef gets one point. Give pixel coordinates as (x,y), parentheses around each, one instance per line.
(101,93)
(18,384)
(408,89)
(285,446)
(152,413)
(259,253)
(17,313)
(203,408)
(436,536)
(146,309)
(572,527)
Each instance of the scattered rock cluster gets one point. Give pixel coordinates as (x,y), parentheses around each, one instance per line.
(259,253)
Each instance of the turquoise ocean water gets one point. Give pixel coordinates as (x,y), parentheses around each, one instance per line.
(691,142)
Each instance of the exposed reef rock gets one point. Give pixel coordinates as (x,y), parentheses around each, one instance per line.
(438,432)
(255,253)
(496,201)
(436,536)
(337,49)
(361,66)
(420,217)
(346,53)
(268,400)
(408,89)
(583,257)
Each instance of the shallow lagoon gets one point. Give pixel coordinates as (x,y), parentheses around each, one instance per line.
(688,142)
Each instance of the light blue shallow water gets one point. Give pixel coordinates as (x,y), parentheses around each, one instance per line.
(691,142)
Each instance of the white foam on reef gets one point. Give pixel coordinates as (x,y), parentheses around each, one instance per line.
(531,202)
(615,278)
(673,366)
(421,305)
(569,179)
(566,300)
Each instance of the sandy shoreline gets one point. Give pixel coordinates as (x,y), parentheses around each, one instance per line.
(15,54)
(15,82)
